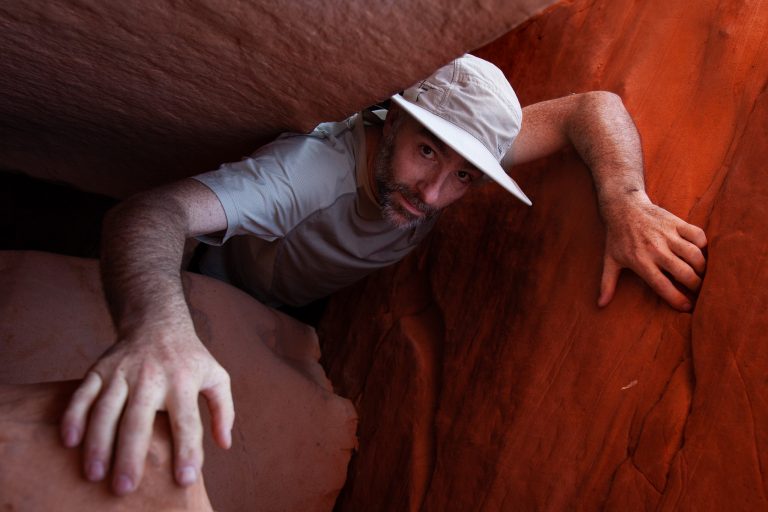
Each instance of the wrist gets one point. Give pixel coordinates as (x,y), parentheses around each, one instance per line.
(157,328)
(622,198)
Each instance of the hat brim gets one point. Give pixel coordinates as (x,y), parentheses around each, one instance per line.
(464,144)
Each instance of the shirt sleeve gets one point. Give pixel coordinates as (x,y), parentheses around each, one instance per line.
(269,193)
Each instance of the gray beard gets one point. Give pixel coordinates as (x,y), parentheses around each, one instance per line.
(386,186)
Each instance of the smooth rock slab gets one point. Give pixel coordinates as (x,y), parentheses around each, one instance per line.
(37,474)
(292,438)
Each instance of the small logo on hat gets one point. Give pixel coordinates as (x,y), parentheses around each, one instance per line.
(423,87)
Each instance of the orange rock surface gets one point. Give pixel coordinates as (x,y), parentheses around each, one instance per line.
(485,376)
(292,437)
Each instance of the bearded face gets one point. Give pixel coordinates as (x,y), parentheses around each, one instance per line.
(386,184)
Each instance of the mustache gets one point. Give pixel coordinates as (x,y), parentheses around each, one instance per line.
(412,198)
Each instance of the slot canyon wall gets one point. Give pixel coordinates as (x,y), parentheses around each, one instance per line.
(485,376)
(118,97)
(115,98)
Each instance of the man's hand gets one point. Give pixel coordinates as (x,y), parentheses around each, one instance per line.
(158,362)
(640,235)
(123,391)
(653,243)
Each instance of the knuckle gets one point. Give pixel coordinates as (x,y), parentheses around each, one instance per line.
(142,401)
(95,451)
(651,245)
(224,376)
(182,382)
(104,407)
(189,445)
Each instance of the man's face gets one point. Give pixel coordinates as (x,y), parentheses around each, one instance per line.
(417,174)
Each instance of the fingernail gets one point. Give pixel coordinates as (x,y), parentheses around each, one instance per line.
(95,470)
(123,484)
(687,306)
(187,475)
(70,437)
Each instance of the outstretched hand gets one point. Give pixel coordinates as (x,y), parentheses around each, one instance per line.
(656,245)
(115,406)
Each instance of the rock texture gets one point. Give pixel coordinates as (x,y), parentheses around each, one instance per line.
(484,374)
(115,97)
(292,438)
(36,473)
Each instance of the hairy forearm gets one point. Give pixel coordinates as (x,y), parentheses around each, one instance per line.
(604,135)
(158,362)
(143,243)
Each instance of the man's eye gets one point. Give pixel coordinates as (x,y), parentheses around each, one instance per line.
(464,176)
(426,151)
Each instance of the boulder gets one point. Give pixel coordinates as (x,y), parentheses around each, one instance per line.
(484,374)
(292,438)
(36,473)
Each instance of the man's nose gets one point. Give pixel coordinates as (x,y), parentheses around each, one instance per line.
(429,189)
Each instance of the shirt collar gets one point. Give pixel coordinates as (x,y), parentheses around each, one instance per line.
(369,207)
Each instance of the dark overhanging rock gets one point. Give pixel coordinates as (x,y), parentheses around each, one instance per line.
(117,97)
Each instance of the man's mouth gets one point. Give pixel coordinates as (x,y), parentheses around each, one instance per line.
(409,206)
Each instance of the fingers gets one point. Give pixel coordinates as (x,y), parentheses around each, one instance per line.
(134,438)
(664,288)
(101,429)
(681,271)
(219,399)
(660,248)
(611,271)
(693,234)
(187,430)
(134,383)
(75,417)
(690,253)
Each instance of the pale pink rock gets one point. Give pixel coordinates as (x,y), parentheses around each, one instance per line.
(293,436)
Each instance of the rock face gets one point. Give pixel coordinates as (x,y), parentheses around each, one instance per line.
(117,97)
(484,374)
(36,473)
(292,437)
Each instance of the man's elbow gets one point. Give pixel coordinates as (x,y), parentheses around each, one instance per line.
(145,207)
(602,100)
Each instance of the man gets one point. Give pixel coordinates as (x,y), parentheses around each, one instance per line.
(324,209)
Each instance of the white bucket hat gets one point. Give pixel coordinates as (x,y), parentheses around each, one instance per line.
(469,105)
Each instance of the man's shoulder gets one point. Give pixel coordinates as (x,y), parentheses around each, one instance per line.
(284,182)
(330,147)
(314,164)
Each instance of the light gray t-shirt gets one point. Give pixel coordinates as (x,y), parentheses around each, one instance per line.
(301,222)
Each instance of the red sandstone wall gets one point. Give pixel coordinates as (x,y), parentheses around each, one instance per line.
(484,374)
(114,97)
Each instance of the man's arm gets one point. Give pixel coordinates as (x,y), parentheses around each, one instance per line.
(157,362)
(639,235)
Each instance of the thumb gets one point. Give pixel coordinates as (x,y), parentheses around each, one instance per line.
(611,271)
